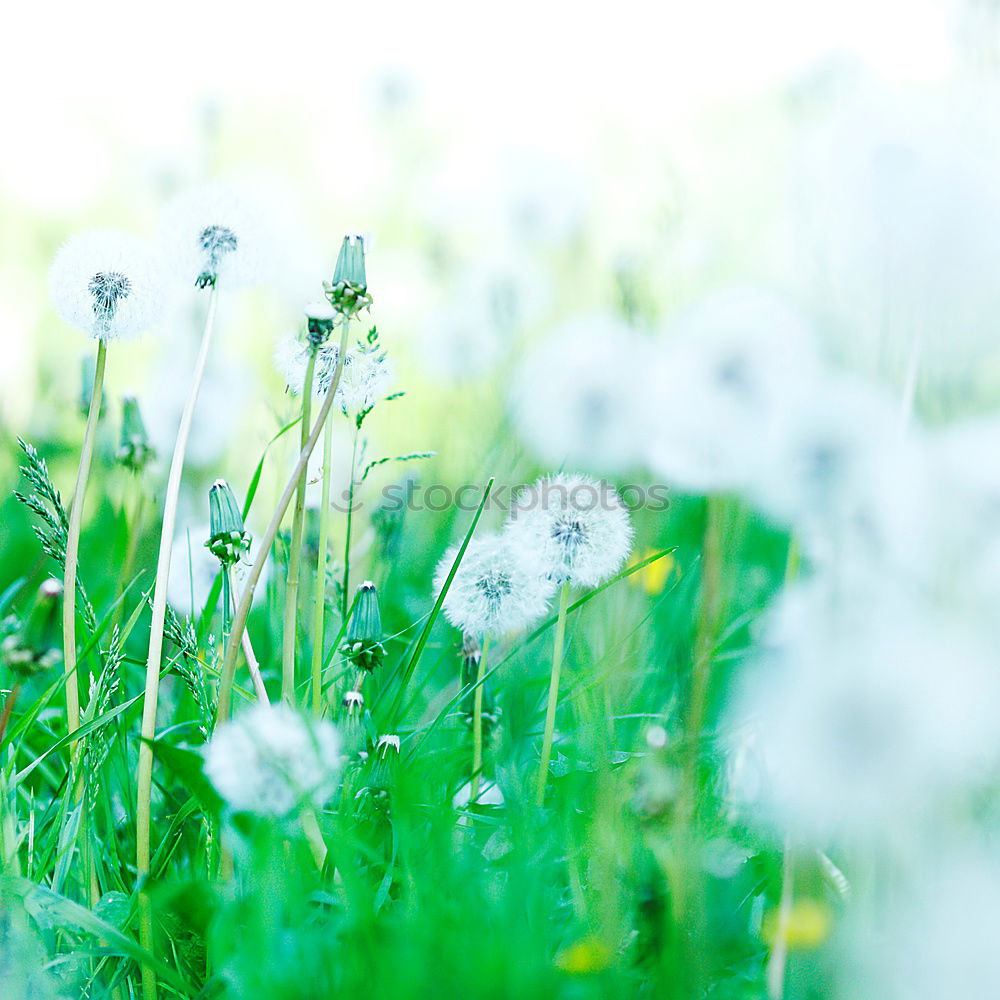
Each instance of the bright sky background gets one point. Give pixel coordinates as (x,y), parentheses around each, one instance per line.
(525,71)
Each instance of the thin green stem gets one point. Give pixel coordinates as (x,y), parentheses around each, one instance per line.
(779,950)
(134,528)
(550,711)
(347,534)
(477,723)
(73,544)
(288,637)
(144,777)
(319,603)
(246,597)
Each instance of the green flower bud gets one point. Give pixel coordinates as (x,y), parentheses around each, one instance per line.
(135,451)
(228,541)
(32,645)
(348,292)
(87,369)
(363,643)
(320,317)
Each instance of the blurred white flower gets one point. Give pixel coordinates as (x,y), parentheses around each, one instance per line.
(866,710)
(106,284)
(848,478)
(900,208)
(494,591)
(489,795)
(270,760)
(938,936)
(719,389)
(575,528)
(576,397)
(366,378)
(214,232)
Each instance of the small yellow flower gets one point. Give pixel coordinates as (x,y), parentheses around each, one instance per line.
(809,925)
(583,957)
(653,578)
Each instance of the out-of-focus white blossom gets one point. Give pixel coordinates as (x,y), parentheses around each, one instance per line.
(214,232)
(720,387)
(866,710)
(577,396)
(494,591)
(576,529)
(107,284)
(366,378)
(270,760)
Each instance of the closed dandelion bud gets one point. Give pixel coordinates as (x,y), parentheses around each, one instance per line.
(348,292)
(320,317)
(354,702)
(32,646)
(363,643)
(135,451)
(383,761)
(228,539)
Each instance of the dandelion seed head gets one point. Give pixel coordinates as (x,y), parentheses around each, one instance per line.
(493,591)
(366,377)
(576,528)
(106,284)
(576,396)
(717,390)
(214,233)
(270,760)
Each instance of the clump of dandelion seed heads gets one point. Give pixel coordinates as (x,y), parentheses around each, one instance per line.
(106,284)
(366,378)
(214,232)
(494,591)
(271,760)
(574,528)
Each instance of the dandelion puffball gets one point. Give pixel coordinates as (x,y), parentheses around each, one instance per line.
(270,760)
(365,379)
(576,396)
(106,284)
(575,527)
(213,232)
(493,591)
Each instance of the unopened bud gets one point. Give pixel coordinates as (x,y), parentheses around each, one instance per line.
(135,451)
(228,540)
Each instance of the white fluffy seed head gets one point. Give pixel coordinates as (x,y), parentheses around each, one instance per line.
(366,378)
(213,233)
(270,760)
(576,528)
(494,591)
(107,284)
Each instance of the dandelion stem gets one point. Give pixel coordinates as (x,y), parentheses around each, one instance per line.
(251,657)
(73,545)
(246,598)
(779,952)
(144,778)
(550,711)
(319,604)
(477,723)
(347,532)
(288,637)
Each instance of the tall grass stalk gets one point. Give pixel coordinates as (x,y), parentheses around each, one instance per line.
(550,710)
(288,637)
(73,543)
(246,598)
(319,602)
(144,779)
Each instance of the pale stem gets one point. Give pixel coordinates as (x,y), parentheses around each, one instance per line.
(246,598)
(550,711)
(315,838)
(319,604)
(73,545)
(347,533)
(477,723)
(144,778)
(295,547)
(251,657)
